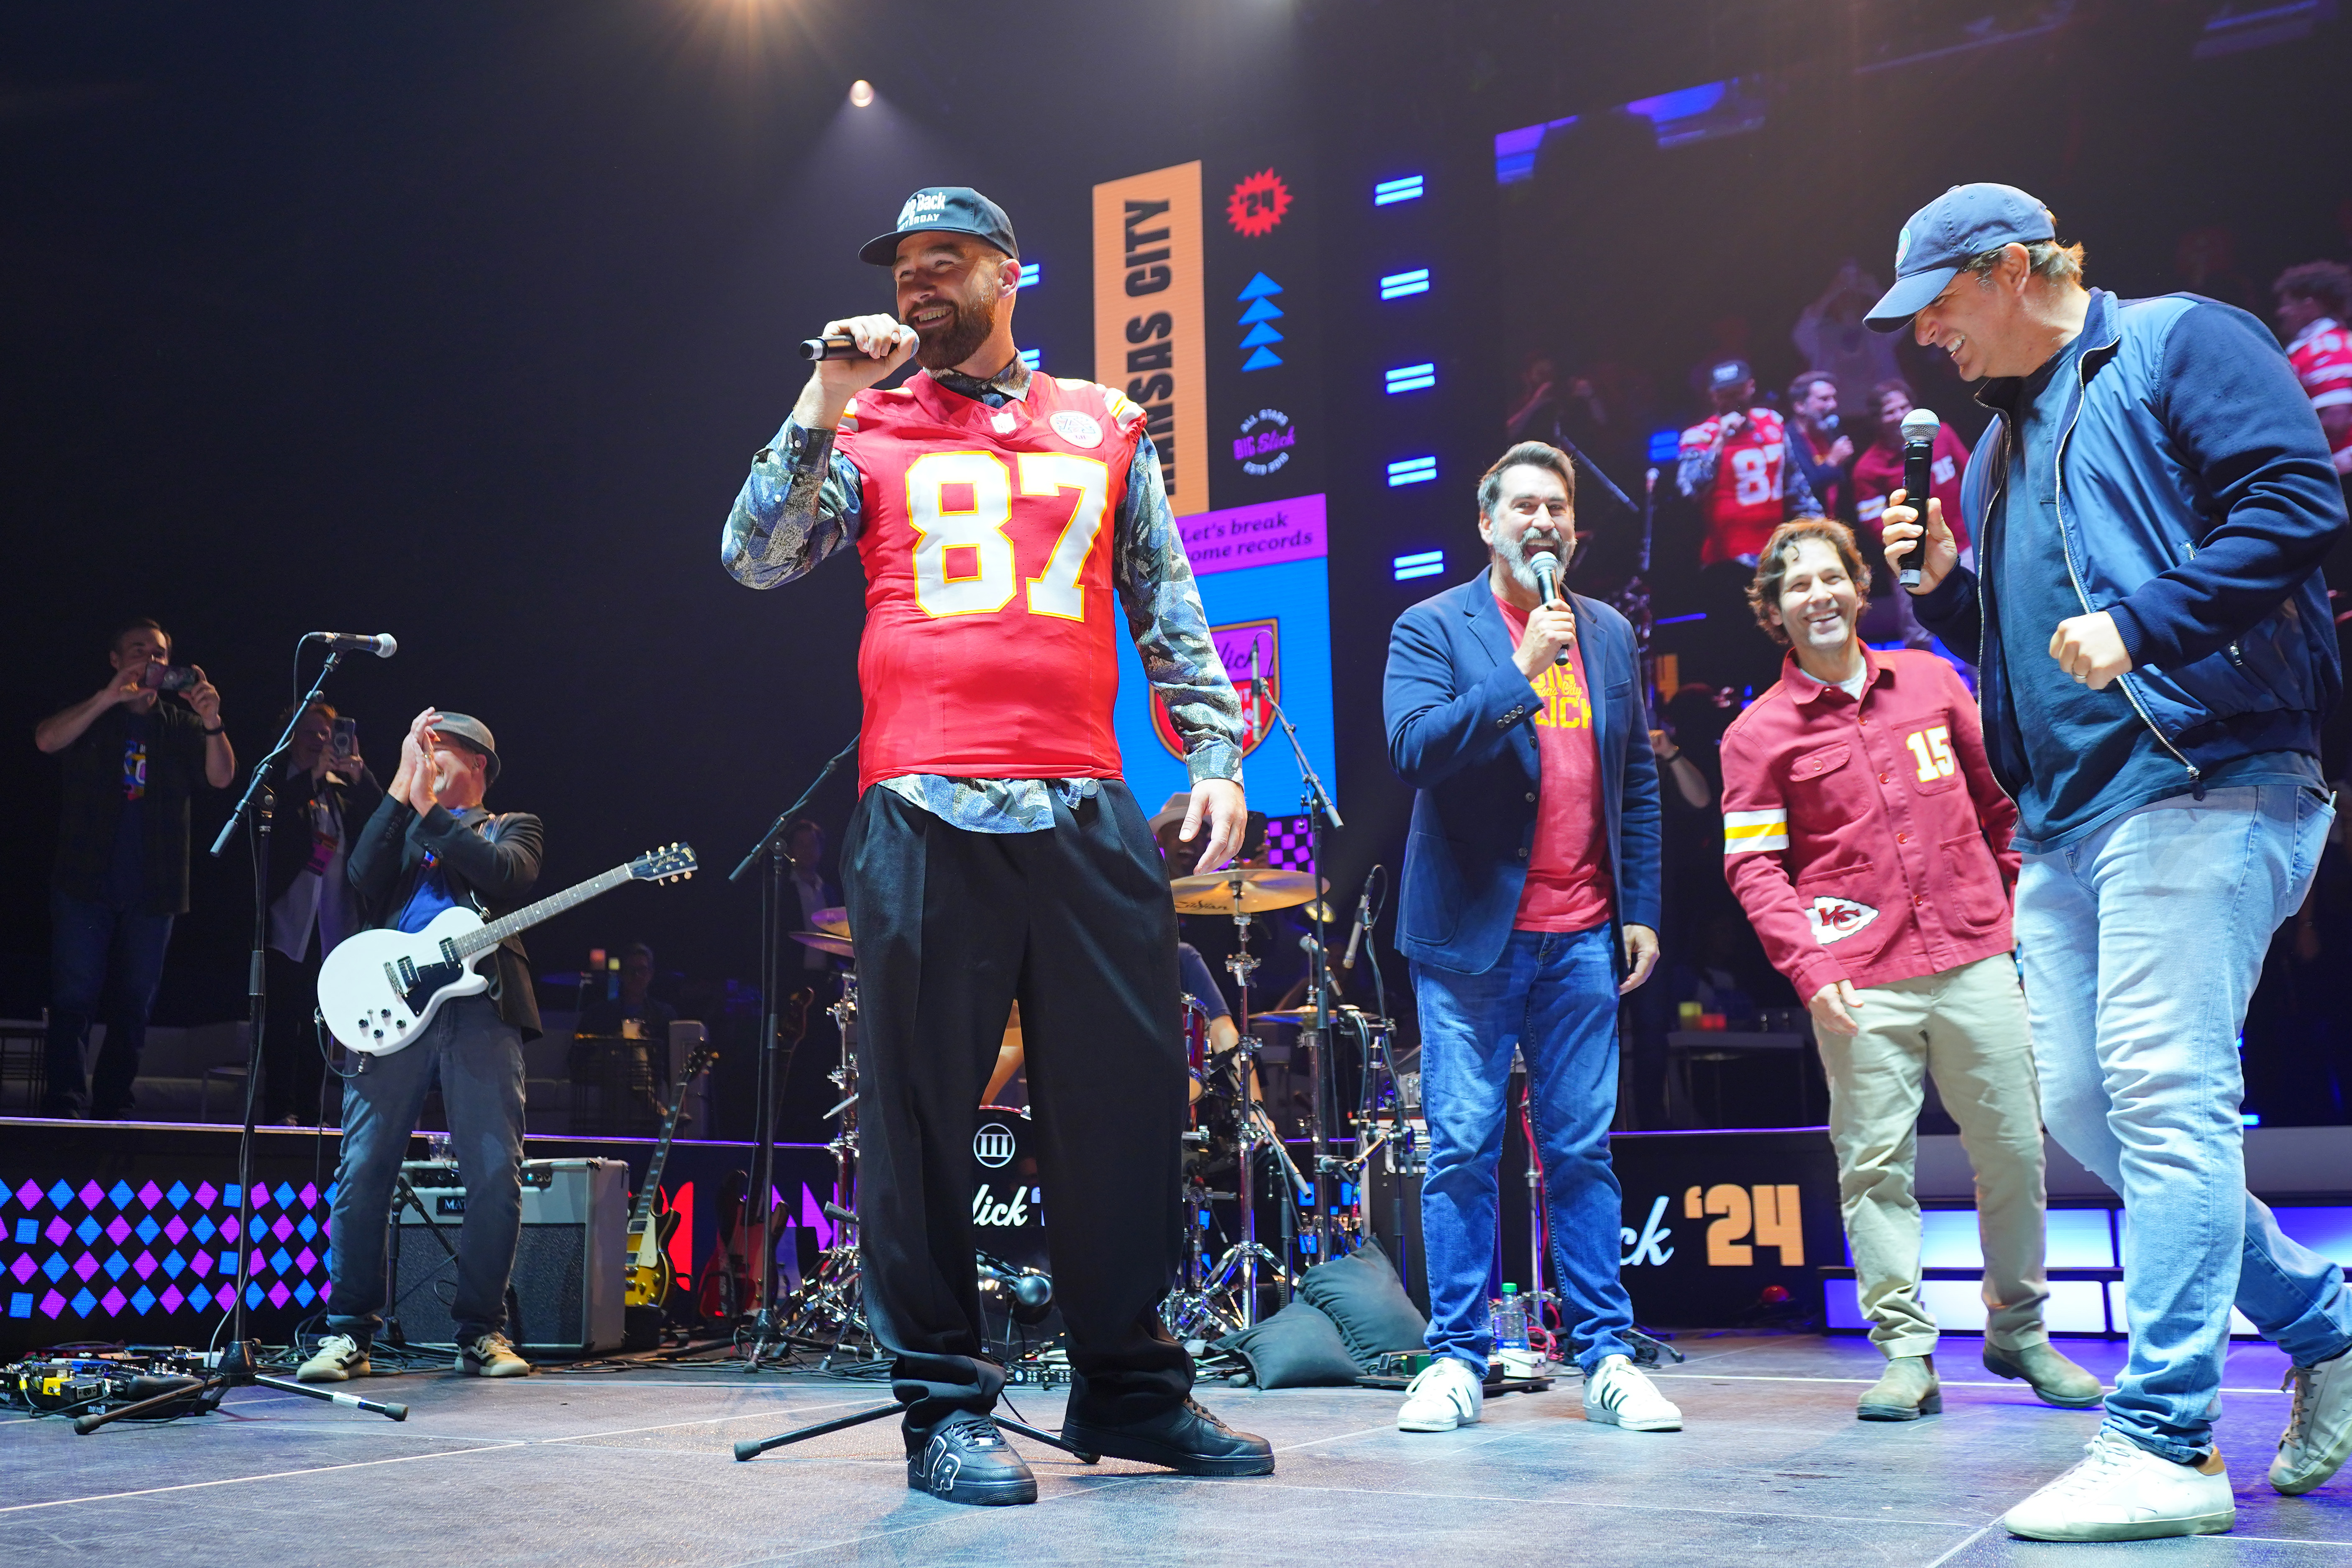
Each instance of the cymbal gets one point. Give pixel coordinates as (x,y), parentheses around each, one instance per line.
(834,921)
(825,941)
(1261,887)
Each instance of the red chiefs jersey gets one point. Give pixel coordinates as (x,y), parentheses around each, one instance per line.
(1744,503)
(2322,355)
(1868,840)
(991,643)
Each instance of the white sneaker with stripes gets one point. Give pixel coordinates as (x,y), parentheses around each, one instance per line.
(1616,1392)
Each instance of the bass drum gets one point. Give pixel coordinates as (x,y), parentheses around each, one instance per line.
(1008,1208)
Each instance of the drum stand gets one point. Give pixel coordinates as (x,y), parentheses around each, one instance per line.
(829,1308)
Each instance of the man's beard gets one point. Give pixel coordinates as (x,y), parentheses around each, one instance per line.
(1514,554)
(945,347)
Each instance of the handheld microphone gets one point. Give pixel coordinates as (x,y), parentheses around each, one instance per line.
(1356,936)
(383,644)
(814,348)
(1546,566)
(1919,429)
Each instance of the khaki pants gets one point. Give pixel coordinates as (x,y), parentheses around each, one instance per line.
(1965,1025)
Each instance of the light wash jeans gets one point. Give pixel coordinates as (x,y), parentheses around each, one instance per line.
(480,1059)
(1554,996)
(2142,944)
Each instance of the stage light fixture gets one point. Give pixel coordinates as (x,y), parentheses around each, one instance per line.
(1428,563)
(1032,274)
(861,93)
(1406,188)
(1029,358)
(1397,285)
(1411,471)
(1411,377)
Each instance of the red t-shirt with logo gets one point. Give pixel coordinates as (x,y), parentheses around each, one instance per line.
(1568,870)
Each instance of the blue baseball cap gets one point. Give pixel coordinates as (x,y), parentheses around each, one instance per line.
(1947,234)
(954,209)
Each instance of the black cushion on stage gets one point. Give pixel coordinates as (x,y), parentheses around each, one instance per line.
(1366,1302)
(1299,1347)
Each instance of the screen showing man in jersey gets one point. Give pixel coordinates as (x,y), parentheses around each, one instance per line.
(1009,521)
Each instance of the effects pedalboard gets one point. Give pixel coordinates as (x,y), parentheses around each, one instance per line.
(91,1384)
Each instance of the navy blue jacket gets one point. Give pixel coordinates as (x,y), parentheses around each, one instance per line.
(2196,499)
(1460,731)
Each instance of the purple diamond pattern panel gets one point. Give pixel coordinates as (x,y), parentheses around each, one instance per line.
(1285,844)
(78,1241)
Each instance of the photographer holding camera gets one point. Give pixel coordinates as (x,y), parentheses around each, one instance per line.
(132,762)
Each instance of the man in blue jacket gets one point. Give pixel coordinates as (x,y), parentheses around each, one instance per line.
(2157,654)
(1530,903)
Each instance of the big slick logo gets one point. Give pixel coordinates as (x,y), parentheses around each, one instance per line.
(1264,442)
(1234,643)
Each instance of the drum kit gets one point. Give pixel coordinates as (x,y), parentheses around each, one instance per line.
(1237,1162)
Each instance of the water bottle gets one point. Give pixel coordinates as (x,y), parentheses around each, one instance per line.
(1510,1316)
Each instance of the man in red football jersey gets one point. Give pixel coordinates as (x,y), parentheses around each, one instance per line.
(1735,464)
(1008,520)
(2314,310)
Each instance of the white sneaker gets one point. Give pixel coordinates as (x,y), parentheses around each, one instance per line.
(338,1357)
(1443,1396)
(492,1355)
(1616,1392)
(2318,1437)
(2123,1492)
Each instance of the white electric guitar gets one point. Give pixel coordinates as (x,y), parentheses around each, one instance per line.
(379,989)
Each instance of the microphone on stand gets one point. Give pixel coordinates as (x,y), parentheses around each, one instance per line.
(383,645)
(1363,918)
(1919,429)
(1546,566)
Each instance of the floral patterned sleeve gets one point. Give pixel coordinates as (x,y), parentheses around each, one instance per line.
(1154,579)
(802,501)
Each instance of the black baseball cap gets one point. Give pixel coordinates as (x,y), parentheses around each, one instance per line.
(1725,374)
(1947,234)
(954,209)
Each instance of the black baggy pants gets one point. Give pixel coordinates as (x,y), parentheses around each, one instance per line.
(952,926)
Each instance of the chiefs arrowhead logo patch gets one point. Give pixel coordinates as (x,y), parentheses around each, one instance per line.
(1834,919)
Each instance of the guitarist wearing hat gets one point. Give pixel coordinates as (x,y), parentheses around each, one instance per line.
(1012,526)
(430,846)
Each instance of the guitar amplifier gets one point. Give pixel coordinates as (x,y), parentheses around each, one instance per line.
(570,1267)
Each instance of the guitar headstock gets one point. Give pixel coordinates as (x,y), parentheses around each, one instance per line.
(673,864)
(699,1061)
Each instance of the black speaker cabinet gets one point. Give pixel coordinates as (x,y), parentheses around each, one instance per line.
(569,1268)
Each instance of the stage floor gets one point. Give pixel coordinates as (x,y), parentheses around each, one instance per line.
(586,1468)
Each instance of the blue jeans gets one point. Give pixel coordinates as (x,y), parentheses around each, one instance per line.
(2142,944)
(1554,996)
(89,943)
(480,1061)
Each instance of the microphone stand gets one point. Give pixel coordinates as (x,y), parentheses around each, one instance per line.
(1315,802)
(769,1335)
(239,1365)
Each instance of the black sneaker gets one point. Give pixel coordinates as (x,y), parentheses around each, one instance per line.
(966,1459)
(1187,1439)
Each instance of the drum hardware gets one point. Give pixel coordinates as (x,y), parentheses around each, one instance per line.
(829,1308)
(769,1336)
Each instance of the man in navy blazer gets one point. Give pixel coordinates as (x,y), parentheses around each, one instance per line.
(1530,904)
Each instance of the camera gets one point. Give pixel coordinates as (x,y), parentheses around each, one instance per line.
(169,677)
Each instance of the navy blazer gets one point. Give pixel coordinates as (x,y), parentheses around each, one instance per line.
(1459,732)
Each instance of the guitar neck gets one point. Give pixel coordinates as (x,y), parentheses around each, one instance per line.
(522,919)
(643,1213)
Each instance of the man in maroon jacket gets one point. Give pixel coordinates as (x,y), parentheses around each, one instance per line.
(1866,837)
